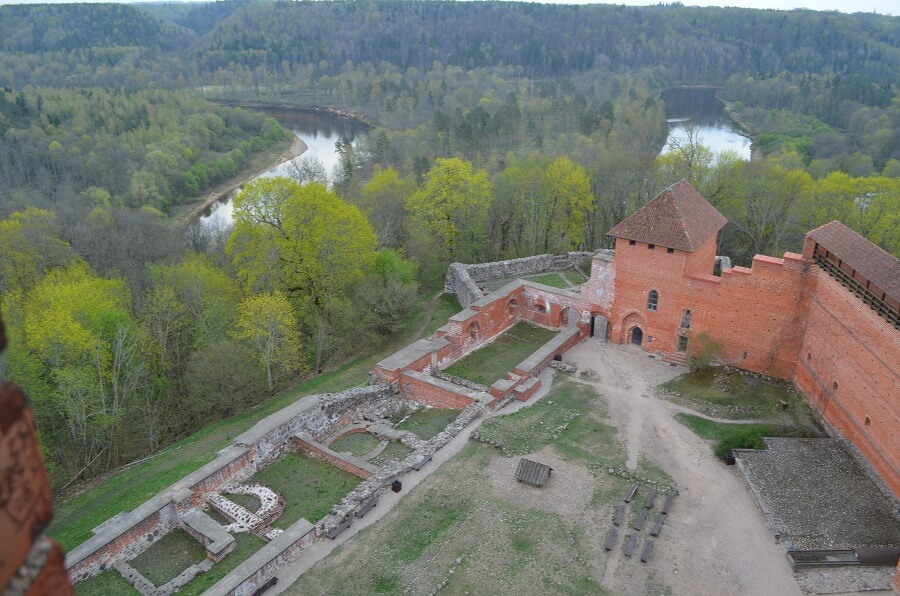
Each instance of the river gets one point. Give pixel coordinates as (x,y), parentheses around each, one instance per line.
(318,131)
(699,107)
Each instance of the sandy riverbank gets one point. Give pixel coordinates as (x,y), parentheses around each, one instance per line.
(219,193)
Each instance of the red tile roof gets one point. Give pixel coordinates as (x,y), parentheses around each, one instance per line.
(679,217)
(870,261)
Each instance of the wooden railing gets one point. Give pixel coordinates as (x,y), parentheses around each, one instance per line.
(873,301)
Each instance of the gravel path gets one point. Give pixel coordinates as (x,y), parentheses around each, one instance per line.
(718,541)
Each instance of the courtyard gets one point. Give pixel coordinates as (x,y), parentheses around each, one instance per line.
(469,527)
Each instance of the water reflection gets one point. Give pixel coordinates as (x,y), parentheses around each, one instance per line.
(319,132)
(698,108)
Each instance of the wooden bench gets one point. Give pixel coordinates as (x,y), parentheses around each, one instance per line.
(667,504)
(611,538)
(620,515)
(419,464)
(657,526)
(340,528)
(650,498)
(366,508)
(639,524)
(630,493)
(629,544)
(648,550)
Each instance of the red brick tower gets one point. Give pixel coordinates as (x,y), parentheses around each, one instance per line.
(671,237)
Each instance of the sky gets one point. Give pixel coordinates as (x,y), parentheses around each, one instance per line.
(889,7)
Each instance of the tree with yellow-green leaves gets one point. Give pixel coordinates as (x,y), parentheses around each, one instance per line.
(303,241)
(451,210)
(268,323)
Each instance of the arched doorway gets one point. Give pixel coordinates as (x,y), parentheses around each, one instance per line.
(637,336)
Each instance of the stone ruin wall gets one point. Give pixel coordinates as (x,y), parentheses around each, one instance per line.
(128,534)
(463,279)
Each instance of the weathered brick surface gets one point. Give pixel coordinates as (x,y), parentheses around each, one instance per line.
(849,369)
(433,392)
(30,563)
(315,452)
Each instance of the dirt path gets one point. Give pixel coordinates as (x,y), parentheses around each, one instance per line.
(718,542)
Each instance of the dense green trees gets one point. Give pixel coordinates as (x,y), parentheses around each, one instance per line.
(100,147)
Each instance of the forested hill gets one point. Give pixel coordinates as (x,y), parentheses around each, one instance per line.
(683,44)
(53,27)
(695,44)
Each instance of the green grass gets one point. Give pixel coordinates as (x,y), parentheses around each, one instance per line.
(554,280)
(455,520)
(358,444)
(75,517)
(446,306)
(168,557)
(573,276)
(108,582)
(394,450)
(249,502)
(760,396)
(491,362)
(738,436)
(570,417)
(428,422)
(309,486)
(246,545)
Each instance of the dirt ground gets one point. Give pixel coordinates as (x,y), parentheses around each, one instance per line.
(715,540)
(718,541)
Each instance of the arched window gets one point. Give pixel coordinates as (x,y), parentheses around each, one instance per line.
(653,300)
(473,330)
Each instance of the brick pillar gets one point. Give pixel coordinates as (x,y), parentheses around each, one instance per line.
(30,563)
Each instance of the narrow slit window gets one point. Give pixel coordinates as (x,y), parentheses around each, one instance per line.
(685,319)
(653,300)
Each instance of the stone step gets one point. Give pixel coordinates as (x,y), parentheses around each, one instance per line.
(679,358)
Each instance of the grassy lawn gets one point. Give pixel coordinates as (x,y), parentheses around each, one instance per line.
(732,395)
(464,530)
(554,280)
(356,443)
(491,362)
(574,276)
(108,582)
(309,486)
(75,517)
(570,417)
(246,545)
(394,450)
(446,306)
(428,422)
(739,436)
(168,557)
(249,502)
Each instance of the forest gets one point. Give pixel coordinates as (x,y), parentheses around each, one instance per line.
(499,130)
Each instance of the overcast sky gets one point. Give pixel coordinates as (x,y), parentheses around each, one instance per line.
(890,7)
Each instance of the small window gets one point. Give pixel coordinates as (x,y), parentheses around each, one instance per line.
(834,385)
(651,246)
(473,330)
(512,305)
(808,356)
(653,300)
(631,243)
(670,250)
(868,421)
(685,319)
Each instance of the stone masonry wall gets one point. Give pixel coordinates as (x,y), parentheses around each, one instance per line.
(463,279)
(314,452)
(128,534)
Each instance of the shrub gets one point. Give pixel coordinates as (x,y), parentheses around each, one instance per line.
(706,352)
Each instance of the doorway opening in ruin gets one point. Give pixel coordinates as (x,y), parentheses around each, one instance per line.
(682,344)
(637,336)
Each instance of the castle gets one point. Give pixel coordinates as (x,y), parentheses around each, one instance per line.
(826,319)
